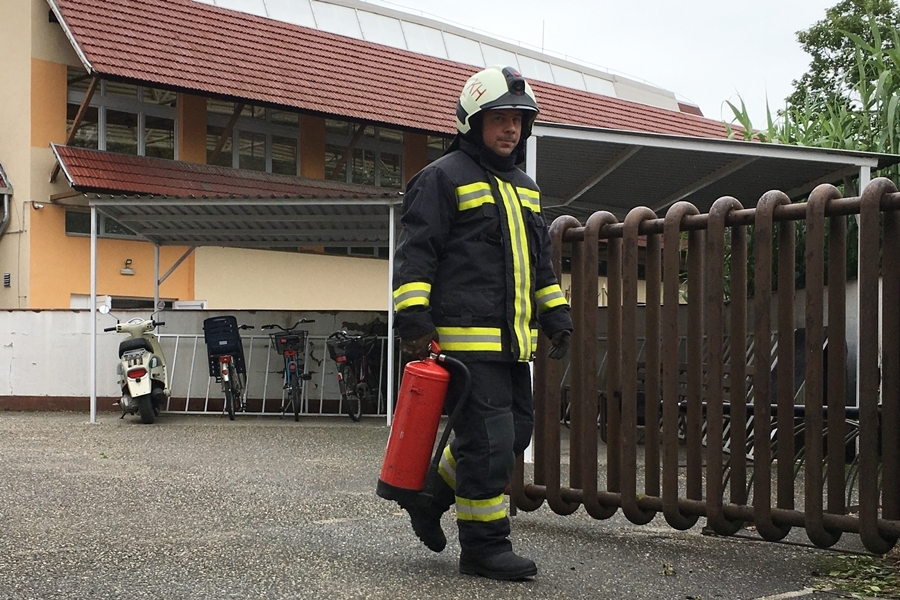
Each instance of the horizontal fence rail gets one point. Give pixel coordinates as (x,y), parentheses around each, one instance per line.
(699,419)
(193,391)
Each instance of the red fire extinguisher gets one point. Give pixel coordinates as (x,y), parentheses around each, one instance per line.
(405,472)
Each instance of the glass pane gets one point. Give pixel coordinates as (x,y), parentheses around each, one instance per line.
(121,132)
(254,7)
(297,12)
(223,159)
(87,134)
(338,127)
(597,85)
(284,155)
(535,69)
(332,155)
(391,171)
(254,112)
(390,135)
(114,88)
(499,56)
(284,117)
(252,151)
(111,227)
(436,142)
(424,40)
(223,107)
(159,137)
(160,97)
(78,80)
(78,222)
(336,19)
(568,77)
(381,29)
(363,166)
(463,50)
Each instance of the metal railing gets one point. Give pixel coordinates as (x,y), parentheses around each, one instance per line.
(193,391)
(805,459)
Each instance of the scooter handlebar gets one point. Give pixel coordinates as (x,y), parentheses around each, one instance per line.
(158,323)
(109,329)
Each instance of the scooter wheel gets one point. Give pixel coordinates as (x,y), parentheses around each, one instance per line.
(145,407)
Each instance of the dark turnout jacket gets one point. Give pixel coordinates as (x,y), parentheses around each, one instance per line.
(473,261)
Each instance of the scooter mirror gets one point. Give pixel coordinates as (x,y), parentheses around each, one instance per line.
(104,309)
(160,305)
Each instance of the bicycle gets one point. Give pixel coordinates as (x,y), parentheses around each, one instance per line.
(358,369)
(289,342)
(226,360)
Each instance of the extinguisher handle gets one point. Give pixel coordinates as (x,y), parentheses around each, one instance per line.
(427,493)
(435,348)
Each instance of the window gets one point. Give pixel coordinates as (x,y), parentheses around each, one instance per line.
(436,146)
(79,223)
(377,158)
(123,117)
(263,139)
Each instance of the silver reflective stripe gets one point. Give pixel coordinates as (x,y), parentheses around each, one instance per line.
(447,468)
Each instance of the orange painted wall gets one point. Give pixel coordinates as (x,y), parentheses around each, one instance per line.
(312,147)
(48,103)
(61,265)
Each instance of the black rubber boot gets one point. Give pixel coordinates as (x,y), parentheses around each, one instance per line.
(426,522)
(506,566)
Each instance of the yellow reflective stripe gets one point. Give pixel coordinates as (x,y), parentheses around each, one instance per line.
(522,308)
(472,339)
(447,468)
(550,297)
(534,340)
(491,509)
(530,199)
(415,293)
(473,195)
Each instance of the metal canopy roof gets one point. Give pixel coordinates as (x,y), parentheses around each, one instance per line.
(254,222)
(582,169)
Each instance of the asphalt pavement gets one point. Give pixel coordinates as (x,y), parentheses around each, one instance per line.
(261,507)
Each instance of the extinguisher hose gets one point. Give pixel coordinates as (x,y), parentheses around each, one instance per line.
(427,493)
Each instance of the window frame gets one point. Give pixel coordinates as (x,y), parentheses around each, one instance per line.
(103,101)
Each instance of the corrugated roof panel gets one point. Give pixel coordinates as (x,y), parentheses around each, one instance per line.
(97,171)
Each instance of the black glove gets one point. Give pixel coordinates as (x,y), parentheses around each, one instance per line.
(417,348)
(560,344)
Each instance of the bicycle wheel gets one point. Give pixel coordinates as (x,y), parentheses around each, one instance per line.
(351,395)
(229,398)
(295,397)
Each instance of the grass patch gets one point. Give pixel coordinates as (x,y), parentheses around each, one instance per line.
(863,576)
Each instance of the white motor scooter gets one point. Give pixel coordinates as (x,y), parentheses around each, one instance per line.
(142,369)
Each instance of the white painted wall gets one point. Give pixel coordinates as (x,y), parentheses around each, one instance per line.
(47,352)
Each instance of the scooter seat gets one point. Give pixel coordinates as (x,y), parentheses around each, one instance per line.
(134,344)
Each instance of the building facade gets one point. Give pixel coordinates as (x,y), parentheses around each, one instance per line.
(267,106)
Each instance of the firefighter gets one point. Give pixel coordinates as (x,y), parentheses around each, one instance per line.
(473,271)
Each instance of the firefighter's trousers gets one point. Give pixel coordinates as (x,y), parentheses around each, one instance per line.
(493,428)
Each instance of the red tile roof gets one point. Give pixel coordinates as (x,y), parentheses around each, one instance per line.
(108,172)
(199,47)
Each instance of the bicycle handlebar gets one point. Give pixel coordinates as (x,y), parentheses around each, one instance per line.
(291,328)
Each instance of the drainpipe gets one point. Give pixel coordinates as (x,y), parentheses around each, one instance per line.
(7,192)
(5,222)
